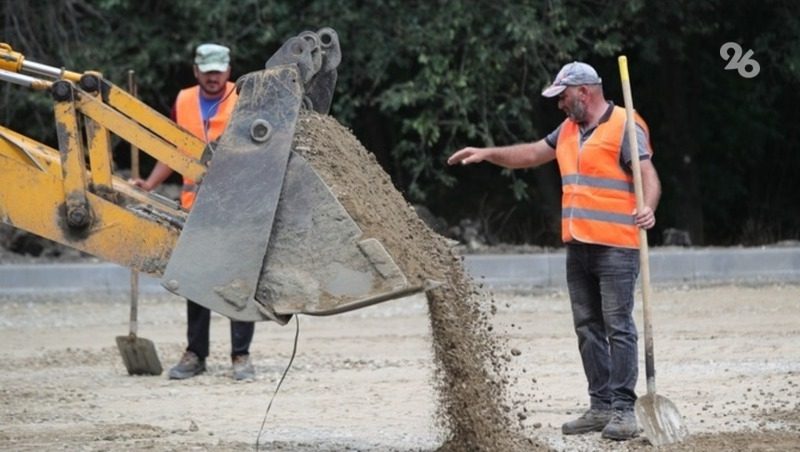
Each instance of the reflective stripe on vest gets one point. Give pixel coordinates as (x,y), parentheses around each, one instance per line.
(598,182)
(189,116)
(598,197)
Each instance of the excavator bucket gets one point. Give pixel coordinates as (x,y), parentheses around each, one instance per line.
(267,237)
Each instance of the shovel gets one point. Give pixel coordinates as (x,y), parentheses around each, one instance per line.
(138,354)
(658,416)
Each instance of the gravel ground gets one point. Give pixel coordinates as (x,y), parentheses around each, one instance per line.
(726,356)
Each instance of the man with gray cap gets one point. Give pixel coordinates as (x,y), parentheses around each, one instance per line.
(599,226)
(204,110)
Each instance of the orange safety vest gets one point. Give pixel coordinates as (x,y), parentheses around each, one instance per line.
(189,116)
(598,195)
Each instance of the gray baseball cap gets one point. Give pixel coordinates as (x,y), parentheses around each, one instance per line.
(572,74)
(212,57)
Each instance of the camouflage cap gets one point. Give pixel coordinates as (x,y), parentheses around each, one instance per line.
(212,57)
(572,74)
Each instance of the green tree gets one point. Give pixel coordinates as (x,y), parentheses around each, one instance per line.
(419,80)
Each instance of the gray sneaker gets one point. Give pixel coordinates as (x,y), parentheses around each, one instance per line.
(243,368)
(594,420)
(189,366)
(622,426)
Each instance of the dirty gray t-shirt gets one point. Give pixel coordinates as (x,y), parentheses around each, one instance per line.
(625,156)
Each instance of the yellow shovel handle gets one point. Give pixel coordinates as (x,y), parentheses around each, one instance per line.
(644,258)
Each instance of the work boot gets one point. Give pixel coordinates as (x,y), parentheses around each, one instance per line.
(243,368)
(189,366)
(593,420)
(622,426)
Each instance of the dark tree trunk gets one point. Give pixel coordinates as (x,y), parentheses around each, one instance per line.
(677,146)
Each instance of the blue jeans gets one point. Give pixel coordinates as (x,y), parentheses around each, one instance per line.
(601,282)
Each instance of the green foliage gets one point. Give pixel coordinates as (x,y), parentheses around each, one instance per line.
(419,80)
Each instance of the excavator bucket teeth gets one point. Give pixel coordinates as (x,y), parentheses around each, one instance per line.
(266,237)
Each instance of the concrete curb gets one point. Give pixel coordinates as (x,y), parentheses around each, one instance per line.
(667,267)
(498,271)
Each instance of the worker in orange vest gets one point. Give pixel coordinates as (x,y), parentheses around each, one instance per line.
(204,110)
(599,226)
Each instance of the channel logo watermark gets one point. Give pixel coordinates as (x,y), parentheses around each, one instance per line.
(745,64)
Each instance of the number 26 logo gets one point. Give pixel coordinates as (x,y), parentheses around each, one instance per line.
(739,62)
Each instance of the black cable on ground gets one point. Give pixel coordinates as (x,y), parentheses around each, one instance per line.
(278,387)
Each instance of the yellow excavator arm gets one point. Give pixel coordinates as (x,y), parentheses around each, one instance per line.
(266,238)
(70,195)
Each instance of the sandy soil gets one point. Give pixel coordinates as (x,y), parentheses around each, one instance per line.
(471,374)
(726,356)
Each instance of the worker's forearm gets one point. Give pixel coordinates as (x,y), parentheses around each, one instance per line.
(523,155)
(159,174)
(651,186)
(514,156)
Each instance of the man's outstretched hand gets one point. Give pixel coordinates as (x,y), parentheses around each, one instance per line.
(467,155)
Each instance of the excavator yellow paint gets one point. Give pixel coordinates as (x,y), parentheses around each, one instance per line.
(133,132)
(114,233)
(145,116)
(266,239)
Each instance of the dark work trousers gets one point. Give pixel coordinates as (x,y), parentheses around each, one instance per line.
(601,282)
(197,330)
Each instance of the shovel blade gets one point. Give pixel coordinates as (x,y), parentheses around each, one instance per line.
(660,419)
(139,355)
